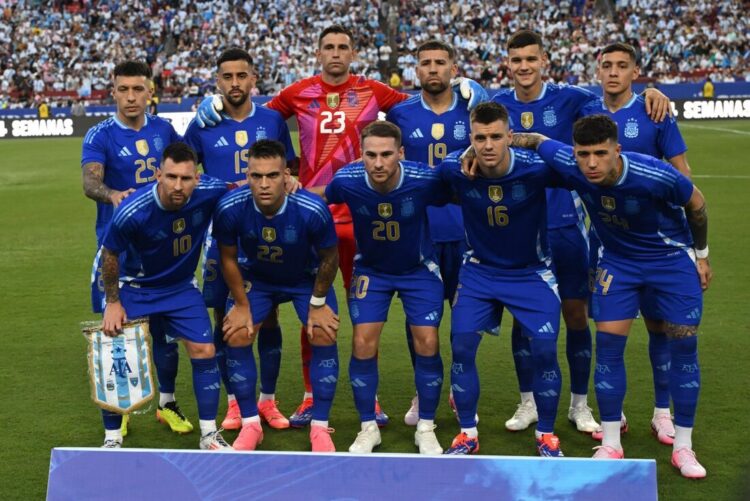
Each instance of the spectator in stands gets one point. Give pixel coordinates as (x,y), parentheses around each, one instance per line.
(708,89)
(78,109)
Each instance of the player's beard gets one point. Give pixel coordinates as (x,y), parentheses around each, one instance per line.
(435,88)
(237,101)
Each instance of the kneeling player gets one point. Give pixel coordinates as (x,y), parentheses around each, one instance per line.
(504,211)
(653,257)
(387,198)
(290,245)
(160,229)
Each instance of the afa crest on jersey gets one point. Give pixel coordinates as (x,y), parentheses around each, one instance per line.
(158,142)
(269,234)
(632,206)
(260,133)
(437,131)
(142,147)
(178,225)
(407,207)
(549,117)
(518,191)
(608,203)
(332,100)
(631,129)
(290,234)
(240,137)
(495,193)
(385,210)
(351,98)
(197,218)
(459,131)
(527,119)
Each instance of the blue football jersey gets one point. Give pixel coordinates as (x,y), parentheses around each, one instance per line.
(428,138)
(130,157)
(223,149)
(390,230)
(642,215)
(637,132)
(505,217)
(552,114)
(162,247)
(281,249)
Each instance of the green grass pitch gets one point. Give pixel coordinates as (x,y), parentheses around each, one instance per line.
(46,250)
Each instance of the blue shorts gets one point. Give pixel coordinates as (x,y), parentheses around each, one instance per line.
(421,292)
(449,257)
(215,290)
(179,309)
(264,297)
(529,294)
(665,288)
(570,260)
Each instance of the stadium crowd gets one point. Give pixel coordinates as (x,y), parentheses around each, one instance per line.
(70,50)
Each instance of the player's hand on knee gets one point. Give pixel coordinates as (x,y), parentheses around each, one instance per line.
(241,338)
(237,319)
(322,322)
(209,111)
(705,273)
(114,317)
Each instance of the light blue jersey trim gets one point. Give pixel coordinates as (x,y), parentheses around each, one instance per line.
(123,126)
(625,170)
(538,98)
(280,211)
(427,106)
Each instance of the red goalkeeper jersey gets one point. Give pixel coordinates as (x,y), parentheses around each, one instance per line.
(330,119)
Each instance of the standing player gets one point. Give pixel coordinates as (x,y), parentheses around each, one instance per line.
(653,225)
(290,244)
(332,109)
(120,154)
(387,198)
(223,152)
(504,210)
(617,69)
(551,109)
(159,230)
(433,124)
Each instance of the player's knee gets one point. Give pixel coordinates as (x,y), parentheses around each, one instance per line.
(677,331)
(686,346)
(464,347)
(200,350)
(364,347)
(426,344)
(320,338)
(574,313)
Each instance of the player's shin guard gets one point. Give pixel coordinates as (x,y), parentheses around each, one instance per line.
(363,375)
(166,360)
(658,352)
(464,376)
(547,382)
(243,376)
(206,385)
(112,420)
(428,379)
(269,354)
(324,373)
(306,353)
(684,379)
(221,359)
(578,351)
(521,347)
(609,377)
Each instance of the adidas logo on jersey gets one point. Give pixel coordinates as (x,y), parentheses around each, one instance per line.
(547,329)
(363,211)
(433,316)
(416,134)
(695,314)
(473,193)
(314,104)
(124,152)
(221,142)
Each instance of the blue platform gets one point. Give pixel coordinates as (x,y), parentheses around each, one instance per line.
(165,475)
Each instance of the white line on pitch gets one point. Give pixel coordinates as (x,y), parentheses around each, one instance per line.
(719,176)
(720,129)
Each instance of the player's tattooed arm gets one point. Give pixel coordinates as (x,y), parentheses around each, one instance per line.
(675,331)
(111,275)
(528,140)
(327,269)
(114,313)
(95,189)
(697,216)
(321,316)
